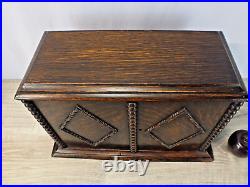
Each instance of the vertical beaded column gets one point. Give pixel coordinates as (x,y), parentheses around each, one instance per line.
(132,122)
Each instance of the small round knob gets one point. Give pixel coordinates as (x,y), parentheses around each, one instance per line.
(238,143)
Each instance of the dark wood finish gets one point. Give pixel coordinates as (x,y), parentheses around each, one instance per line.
(130,64)
(184,121)
(238,143)
(225,119)
(132,122)
(43,122)
(79,109)
(157,95)
(157,155)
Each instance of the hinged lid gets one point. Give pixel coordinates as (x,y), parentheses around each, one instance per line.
(133,65)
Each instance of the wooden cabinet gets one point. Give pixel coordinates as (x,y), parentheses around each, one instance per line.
(157,95)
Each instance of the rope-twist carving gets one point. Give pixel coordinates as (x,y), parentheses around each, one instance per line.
(43,122)
(225,119)
(132,126)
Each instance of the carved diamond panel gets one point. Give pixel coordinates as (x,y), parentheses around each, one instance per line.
(100,126)
(175,129)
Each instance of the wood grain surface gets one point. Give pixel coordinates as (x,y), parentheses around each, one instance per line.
(131,62)
(27,159)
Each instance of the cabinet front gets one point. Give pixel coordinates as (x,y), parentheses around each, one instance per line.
(134,126)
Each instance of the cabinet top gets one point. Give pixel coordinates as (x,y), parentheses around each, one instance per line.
(74,64)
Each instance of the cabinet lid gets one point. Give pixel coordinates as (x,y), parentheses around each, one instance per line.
(132,64)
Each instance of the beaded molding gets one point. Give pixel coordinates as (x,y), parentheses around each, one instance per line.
(132,126)
(43,122)
(87,113)
(166,121)
(225,119)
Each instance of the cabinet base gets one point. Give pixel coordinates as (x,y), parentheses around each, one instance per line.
(152,155)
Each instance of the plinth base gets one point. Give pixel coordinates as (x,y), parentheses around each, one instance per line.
(152,155)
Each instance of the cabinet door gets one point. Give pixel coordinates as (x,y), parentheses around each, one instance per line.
(177,125)
(88,124)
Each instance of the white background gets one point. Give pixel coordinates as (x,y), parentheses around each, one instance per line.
(24,24)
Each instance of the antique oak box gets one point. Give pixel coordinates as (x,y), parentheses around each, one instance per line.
(157,95)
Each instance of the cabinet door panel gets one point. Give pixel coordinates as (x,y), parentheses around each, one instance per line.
(177,124)
(88,124)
